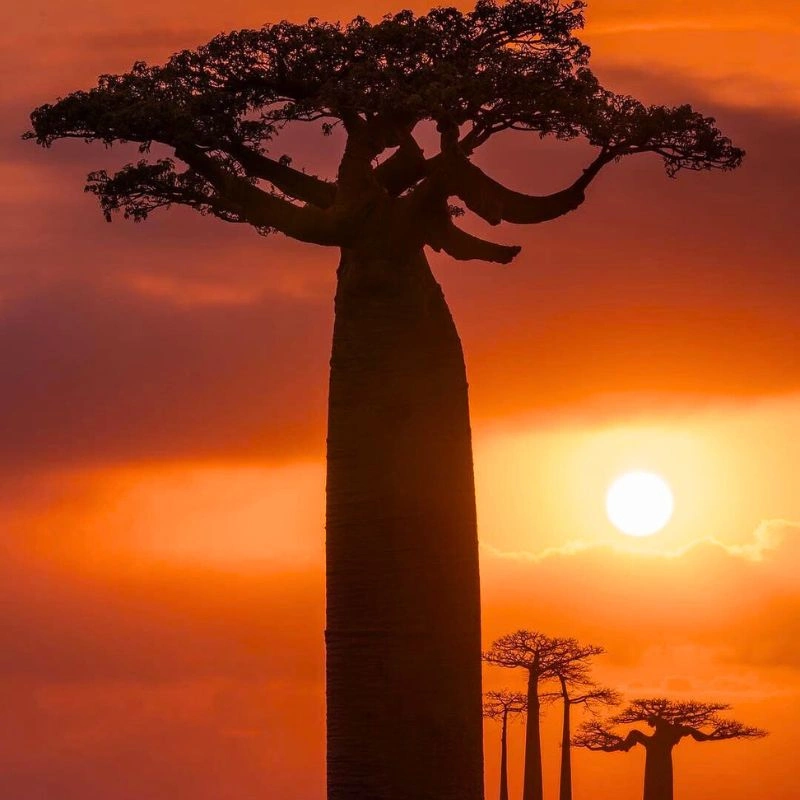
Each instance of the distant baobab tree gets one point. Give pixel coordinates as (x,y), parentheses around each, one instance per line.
(543,658)
(576,688)
(500,706)
(403,617)
(671,721)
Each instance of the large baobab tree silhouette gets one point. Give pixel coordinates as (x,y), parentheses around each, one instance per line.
(543,658)
(403,617)
(577,689)
(671,722)
(500,706)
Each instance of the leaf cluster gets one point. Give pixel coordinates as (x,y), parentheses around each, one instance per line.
(516,65)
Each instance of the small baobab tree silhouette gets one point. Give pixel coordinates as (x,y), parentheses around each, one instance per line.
(403,597)
(671,722)
(576,688)
(543,658)
(500,706)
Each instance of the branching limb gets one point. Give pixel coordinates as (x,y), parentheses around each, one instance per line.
(595,735)
(442,234)
(593,696)
(408,165)
(723,729)
(403,168)
(139,189)
(259,207)
(701,721)
(510,66)
(496,705)
(684,138)
(496,203)
(286,179)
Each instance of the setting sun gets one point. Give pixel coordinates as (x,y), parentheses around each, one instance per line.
(639,503)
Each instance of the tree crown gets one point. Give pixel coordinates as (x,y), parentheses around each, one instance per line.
(548,657)
(220,107)
(672,711)
(701,721)
(497,704)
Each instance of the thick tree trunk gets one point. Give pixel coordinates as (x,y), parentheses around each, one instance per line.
(403,614)
(658,778)
(504,758)
(565,785)
(532,784)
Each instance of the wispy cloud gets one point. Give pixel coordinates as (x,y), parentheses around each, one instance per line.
(765,541)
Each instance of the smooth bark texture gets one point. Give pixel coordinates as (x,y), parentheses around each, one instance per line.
(532,782)
(403,613)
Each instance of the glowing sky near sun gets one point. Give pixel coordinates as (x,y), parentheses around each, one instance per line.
(162,428)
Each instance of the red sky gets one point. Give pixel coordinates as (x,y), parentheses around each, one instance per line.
(162,426)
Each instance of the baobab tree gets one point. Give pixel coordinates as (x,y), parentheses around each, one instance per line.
(671,721)
(403,616)
(576,688)
(543,658)
(500,706)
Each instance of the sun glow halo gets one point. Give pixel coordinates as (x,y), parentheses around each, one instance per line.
(639,503)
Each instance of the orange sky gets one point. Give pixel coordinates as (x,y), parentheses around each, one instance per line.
(162,428)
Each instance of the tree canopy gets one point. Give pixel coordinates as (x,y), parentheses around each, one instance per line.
(504,702)
(546,656)
(700,721)
(216,115)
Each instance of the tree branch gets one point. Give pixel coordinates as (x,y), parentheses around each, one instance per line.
(503,703)
(465,247)
(725,729)
(260,208)
(283,177)
(633,738)
(596,736)
(444,235)
(403,168)
(496,203)
(408,165)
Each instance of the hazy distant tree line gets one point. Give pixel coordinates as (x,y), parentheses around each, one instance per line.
(558,670)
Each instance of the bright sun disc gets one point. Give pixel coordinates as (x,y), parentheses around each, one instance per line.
(639,503)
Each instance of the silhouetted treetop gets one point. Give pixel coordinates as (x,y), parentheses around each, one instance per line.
(548,656)
(686,714)
(512,66)
(676,719)
(496,704)
(676,712)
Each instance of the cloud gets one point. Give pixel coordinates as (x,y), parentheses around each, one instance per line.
(125,615)
(738,602)
(767,538)
(97,373)
(182,678)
